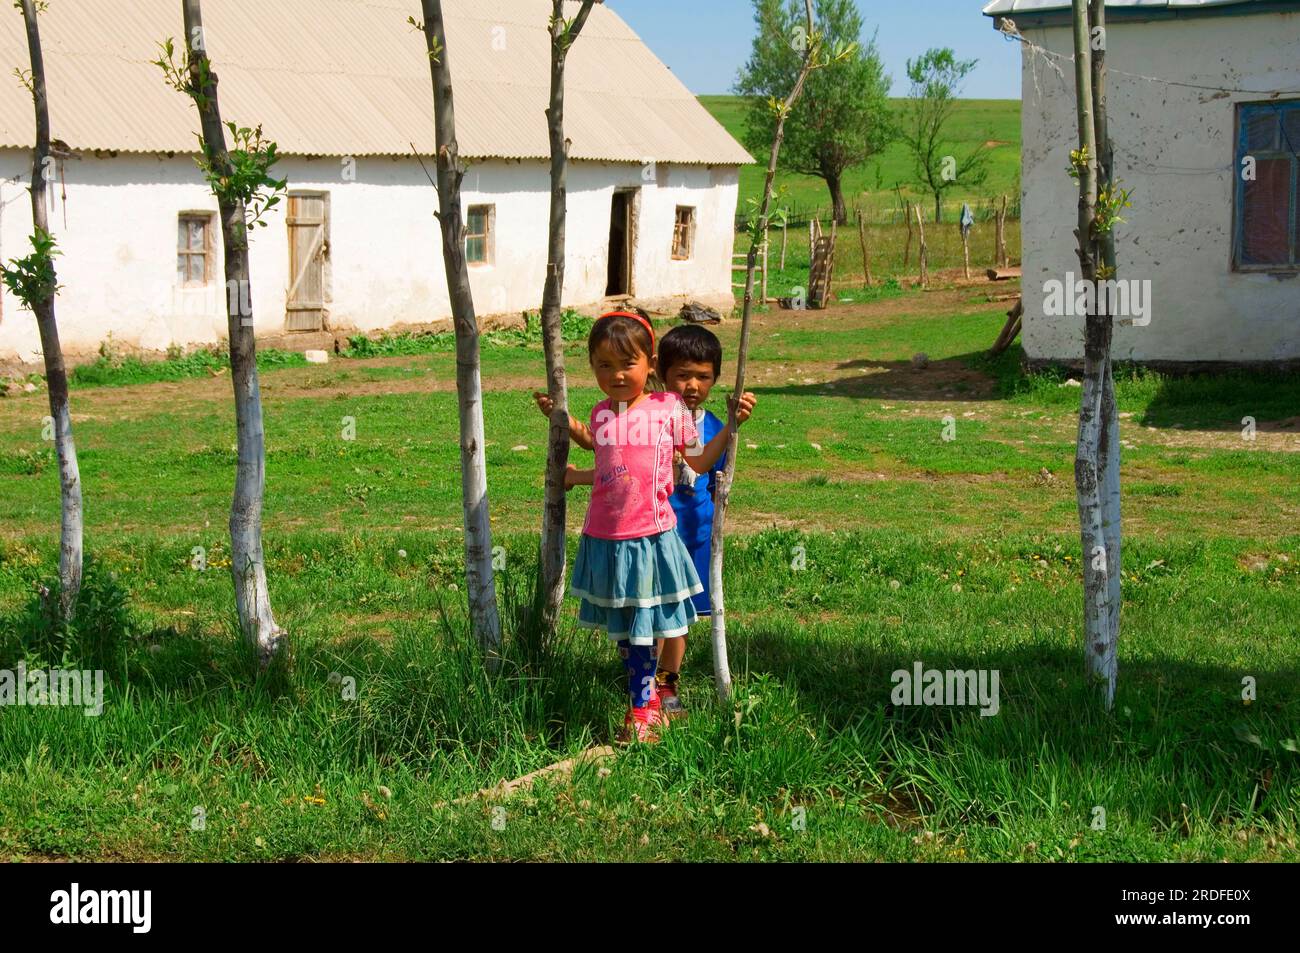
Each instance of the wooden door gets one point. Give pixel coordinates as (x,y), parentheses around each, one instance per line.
(307,249)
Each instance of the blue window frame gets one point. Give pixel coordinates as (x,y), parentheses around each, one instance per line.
(1267,216)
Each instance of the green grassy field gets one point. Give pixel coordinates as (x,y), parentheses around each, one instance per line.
(863,543)
(995,122)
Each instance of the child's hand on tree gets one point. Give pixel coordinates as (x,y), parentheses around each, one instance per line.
(579,432)
(575,477)
(744,408)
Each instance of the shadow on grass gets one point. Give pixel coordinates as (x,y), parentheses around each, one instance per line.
(954,378)
(1221,402)
(1204,400)
(1184,722)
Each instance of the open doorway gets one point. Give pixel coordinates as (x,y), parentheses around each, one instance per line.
(622,243)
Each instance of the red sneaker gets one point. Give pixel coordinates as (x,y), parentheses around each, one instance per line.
(639,724)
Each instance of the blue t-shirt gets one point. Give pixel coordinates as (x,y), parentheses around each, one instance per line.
(692,498)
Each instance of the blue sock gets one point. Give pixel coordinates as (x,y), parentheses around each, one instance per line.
(640,662)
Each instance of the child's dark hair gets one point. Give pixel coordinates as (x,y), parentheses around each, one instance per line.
(626,335)
(690,342)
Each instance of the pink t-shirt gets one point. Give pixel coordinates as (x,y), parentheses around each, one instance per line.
(634,465)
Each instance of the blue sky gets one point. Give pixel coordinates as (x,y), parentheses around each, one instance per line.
(705,41)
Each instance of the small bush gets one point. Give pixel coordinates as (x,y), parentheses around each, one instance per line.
(96,637)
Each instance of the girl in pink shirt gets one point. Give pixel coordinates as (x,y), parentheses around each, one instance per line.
(633,574)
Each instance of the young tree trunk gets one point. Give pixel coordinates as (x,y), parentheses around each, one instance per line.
(1111,510)
(247,562)
(551,578)
(722,493)
(56,377)
(1096,465)
(480,582)
(938,207)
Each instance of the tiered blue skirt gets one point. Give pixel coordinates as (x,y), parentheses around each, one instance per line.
(635,589)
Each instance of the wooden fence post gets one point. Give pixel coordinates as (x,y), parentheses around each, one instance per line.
(907,217)
(866,259)
(924,277)
(1003,259)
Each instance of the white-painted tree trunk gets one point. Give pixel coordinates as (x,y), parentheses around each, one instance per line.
(56,377)
(554,512)
(480,583)
(722,494)
(247,561)
(1097,456)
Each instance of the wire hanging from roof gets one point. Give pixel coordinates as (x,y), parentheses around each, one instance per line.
(1007,27)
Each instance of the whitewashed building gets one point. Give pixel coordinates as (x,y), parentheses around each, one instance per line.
(343,86)
(1204,112)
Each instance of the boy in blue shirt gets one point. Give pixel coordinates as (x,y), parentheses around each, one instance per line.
(689,362)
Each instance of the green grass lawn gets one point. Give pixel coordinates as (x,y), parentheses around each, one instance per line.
(975,122)
(863,543)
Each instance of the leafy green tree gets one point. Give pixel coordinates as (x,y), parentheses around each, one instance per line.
(937,77)
(842,119)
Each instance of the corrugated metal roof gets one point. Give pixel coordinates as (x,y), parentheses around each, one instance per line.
(349,77)
(1004,7)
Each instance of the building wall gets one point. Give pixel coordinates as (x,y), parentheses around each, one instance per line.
(118,264)
(1175,149)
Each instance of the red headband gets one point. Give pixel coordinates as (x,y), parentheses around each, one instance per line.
(635,317)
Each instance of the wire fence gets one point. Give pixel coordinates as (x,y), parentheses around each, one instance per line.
(892,250)
(984,210)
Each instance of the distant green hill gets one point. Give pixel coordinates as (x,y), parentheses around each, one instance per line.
(974,121)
